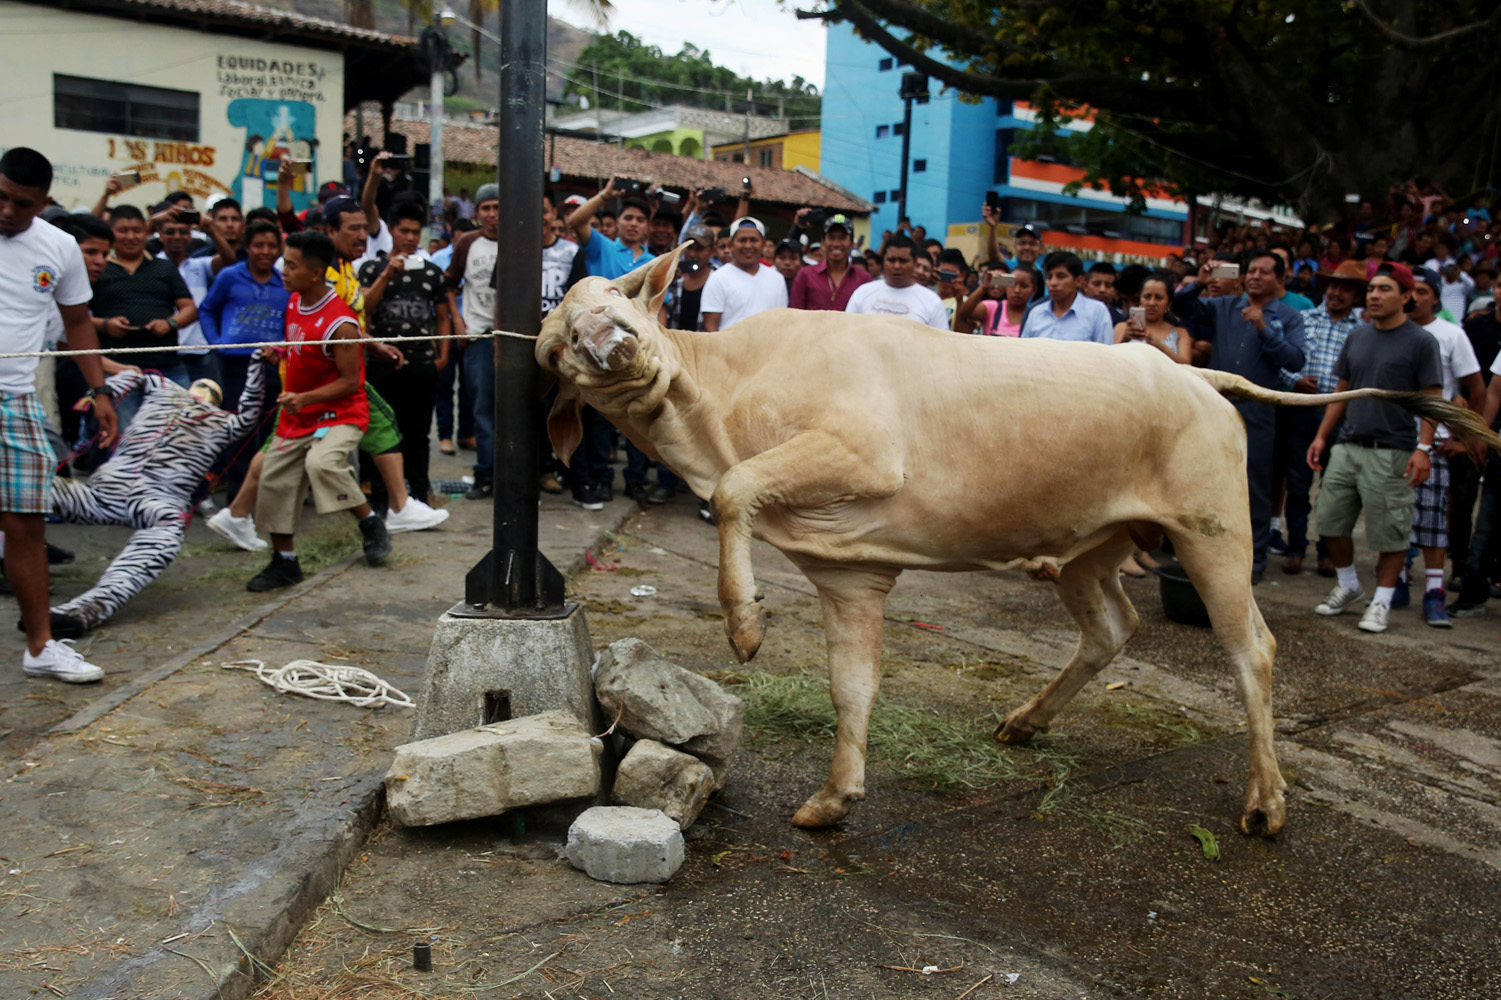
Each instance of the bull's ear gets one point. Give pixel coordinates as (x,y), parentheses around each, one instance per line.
(630,283)
(659,276)
(565,427)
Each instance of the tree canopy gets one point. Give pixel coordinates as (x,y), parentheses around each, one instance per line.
(634,76)
(1298,102)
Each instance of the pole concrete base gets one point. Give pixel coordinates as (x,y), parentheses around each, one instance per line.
(483,670)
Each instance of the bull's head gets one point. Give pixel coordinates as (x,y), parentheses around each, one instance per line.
(603,340)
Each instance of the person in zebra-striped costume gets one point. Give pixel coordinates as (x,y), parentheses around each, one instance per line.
(148,482)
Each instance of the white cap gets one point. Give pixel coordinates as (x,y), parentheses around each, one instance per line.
(746,220)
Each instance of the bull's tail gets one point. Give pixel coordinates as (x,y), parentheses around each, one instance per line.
(1466,425)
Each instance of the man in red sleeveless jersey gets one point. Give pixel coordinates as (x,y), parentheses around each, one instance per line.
(324,413)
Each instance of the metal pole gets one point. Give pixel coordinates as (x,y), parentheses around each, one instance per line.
(747,125)
(515,580)
(901,211)
(435,148)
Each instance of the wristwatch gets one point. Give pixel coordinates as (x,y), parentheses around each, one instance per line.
(172,322)
(96,391)
(1426,449)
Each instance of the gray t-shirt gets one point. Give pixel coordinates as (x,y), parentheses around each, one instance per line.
(1405,358)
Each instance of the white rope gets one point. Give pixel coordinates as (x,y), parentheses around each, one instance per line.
(326,682)
(180,348)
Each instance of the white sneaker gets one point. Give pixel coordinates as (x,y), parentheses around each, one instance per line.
(1374,619)
(415,516)
(240,530)
(1339,601)
(59,660)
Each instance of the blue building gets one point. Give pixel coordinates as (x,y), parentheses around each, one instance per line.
(959,151)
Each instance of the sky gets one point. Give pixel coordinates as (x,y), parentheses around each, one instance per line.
(756,38)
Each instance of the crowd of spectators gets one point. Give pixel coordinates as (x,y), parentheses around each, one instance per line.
(376,346)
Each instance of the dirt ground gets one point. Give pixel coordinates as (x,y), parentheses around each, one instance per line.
(1068,871)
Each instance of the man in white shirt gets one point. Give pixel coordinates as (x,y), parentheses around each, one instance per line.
(747,286)
(1430,526)
(898,293)
(472,265)
(41,271)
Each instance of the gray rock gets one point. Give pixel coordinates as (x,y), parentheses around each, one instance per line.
(654,776)
(658,700)
(625,844)
(485,670)
(483,772)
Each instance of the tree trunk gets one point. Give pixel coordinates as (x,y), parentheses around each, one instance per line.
(360,13)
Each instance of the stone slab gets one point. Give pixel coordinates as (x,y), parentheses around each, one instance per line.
(626,845)
(653,776)
(531,761)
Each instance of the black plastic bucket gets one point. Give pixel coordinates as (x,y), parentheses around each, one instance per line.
(1180,601)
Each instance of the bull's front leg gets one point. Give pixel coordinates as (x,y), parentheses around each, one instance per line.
(853,602)
(810,470)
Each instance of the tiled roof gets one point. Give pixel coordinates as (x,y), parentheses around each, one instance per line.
(244,14)
(582,160)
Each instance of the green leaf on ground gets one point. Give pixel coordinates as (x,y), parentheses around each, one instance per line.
(1207,841)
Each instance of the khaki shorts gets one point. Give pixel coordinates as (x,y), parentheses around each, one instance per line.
(294,464)
(1370,479)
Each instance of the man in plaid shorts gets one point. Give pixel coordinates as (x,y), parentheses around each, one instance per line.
(41,270)
(1430,524)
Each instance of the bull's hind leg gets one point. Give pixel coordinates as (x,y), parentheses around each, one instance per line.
(1090,588)
(853,602)
(1220,567)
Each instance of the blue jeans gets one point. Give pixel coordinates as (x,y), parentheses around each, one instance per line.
(638,468)
(443,396)
(590,463)
(1483,559)
(1296,429)
(479,379)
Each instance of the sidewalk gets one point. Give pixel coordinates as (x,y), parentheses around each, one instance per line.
(162,825)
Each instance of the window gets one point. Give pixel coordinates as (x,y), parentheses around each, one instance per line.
(765,157)
(880,198)
(896,195)
(896,129)
(738,158)
(884,65)
(882,131)
(919,166)
(124,108)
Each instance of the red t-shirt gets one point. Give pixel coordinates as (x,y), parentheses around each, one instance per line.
(310,365)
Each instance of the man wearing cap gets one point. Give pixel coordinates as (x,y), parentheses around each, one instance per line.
(469,270)
(829,284)
(1378,456)
(683,307)
(1325,329)
(1256,337)
(1461,370)
(745,287)
(787,259)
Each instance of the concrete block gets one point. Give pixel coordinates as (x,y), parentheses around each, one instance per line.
(485,670)
(625,844)
(653,776)
(485,771)
(658,700)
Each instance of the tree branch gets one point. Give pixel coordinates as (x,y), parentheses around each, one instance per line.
(1432,41)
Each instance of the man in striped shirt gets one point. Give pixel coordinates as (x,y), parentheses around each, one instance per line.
(1325,328)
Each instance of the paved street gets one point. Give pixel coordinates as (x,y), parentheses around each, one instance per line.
(206,804)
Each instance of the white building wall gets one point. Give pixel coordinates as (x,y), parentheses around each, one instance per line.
(256,99)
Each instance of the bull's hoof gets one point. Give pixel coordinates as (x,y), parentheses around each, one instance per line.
(1263,814)
(746,626)
(823,811)
(1015,730)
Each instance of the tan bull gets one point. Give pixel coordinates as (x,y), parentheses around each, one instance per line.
(862,446)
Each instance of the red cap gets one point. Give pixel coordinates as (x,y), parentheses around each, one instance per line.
(1398,273)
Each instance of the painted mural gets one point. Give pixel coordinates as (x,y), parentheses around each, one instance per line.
(273,130)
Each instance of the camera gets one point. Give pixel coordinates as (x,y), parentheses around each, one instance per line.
(299,167)
(189,217)
(745,183)
(993,200)
(815,219)
(1225,272)
(669,197)
(413,262)
(1000,279)
(713,195)
(628,186)
(400,161)
(129,178)
(1138,317)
